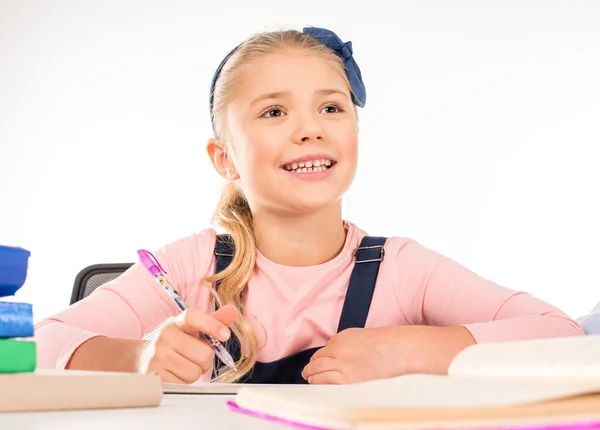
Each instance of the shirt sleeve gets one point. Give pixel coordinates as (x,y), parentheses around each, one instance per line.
(435,290)
(132,304)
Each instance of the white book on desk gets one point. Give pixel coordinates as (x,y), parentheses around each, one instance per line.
(47,390)
(494,384)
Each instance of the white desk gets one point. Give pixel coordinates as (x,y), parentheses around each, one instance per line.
(177,411)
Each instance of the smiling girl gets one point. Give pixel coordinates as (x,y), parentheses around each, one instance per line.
(299,293)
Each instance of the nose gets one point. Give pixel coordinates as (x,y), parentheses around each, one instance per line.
(308,130)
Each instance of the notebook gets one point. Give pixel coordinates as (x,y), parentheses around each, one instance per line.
(209,388)
(16,319)
(201,388)
(45,390)
(14,262)
(17,355)
(551,382)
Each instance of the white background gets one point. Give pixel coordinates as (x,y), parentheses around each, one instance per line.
(479,139)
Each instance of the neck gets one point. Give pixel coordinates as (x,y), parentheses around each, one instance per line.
(301,240)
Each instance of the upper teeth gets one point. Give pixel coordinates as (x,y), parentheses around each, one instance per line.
(312,165)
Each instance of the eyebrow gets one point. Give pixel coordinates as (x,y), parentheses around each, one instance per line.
(283,94)
(266,96)
(332,91)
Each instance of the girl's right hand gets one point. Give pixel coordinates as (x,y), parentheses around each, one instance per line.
(178,353)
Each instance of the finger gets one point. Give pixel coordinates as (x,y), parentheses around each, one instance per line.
(323,352)
(167,376)
(188,346)
(334,377)
(182,367)
(226,314)
(193,321)
(320,365)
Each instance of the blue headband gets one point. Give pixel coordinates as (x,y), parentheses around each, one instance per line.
(332,41)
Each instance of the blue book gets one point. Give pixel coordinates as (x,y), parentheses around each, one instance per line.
(13,269)
(16,320)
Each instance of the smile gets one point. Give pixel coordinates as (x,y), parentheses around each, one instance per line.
(309,166)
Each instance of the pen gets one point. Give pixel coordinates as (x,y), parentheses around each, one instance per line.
(151,264)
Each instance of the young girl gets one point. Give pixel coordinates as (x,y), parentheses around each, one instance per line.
(302,294)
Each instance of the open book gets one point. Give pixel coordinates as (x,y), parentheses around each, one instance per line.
(489,385)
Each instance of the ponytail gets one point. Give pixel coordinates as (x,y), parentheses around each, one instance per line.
(234,215)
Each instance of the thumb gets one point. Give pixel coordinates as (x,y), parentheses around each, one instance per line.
(226,314)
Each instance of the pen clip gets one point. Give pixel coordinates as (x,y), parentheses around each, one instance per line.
(150,262)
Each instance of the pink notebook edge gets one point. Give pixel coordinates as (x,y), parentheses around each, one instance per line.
(580,425)
(268,417)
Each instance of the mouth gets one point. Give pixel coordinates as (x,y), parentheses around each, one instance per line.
(310,166)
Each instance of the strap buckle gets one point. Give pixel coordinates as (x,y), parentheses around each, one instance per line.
(371,260)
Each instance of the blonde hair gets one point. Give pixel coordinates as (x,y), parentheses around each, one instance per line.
(233,211)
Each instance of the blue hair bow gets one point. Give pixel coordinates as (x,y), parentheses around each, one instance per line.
(344,50)
(333,42)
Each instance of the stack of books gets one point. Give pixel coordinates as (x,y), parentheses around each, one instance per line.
(26,387)
(17,352)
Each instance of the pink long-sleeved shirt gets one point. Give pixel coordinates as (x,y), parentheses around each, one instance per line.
(300,307)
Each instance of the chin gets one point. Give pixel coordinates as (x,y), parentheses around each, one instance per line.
(305,196)
(312,203)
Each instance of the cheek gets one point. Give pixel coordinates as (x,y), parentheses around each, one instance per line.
(268,146)
(347,137)
(350,147)
(256,155)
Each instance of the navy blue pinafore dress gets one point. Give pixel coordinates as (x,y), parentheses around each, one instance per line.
(288,370)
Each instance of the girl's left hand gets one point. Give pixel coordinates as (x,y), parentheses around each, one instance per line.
(354,355)
(363,354)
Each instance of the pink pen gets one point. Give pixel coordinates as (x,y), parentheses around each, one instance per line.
(152,265)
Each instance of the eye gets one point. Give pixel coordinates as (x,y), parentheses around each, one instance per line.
(272,112)
(332,108)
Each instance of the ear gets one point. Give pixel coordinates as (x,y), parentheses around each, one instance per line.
(221,160)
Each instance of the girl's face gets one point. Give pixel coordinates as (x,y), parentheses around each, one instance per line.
(291,133)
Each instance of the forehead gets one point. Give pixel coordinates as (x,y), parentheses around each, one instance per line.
(294,72)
